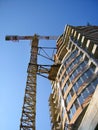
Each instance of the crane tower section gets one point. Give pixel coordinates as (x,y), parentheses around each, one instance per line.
(29,106)
(28,118)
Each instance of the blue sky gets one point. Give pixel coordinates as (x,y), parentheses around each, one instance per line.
(27,17)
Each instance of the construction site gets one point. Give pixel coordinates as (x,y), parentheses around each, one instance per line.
(71,66)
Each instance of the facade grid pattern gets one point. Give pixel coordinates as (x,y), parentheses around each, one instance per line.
(77,77)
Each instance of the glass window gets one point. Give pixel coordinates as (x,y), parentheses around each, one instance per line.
(68,99)
(68,70)
(75,87)
(66,102)
(70,115)
(71,77)
(66,125)
(75,73)
(71,66)
(85,94)
(74,53)
(72,92)
(65,87)
(73,109)
(79,68)
(95,82)
(87,91)
(84,77)
(76,104)
(66,58)
(83,64)
(63,79)
(80,99)
(79,82)
(90,88)
(74,62)
(71,56)
(63,112)
(78,58)
(89,72)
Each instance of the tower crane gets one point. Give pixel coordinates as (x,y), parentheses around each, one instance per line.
(28,118)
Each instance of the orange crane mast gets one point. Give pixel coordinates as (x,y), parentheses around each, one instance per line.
(28,118)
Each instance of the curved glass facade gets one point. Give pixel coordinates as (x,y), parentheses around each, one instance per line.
(79,73)
(77,77)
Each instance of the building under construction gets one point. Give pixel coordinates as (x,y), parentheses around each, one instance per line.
(74,80)
(74,98)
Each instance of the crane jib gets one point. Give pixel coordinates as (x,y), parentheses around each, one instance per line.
(17,38)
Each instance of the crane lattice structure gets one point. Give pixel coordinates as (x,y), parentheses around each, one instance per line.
(28,118)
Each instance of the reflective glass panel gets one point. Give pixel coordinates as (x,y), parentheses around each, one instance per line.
(80,99)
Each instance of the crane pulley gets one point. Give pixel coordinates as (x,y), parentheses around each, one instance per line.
(28,118)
